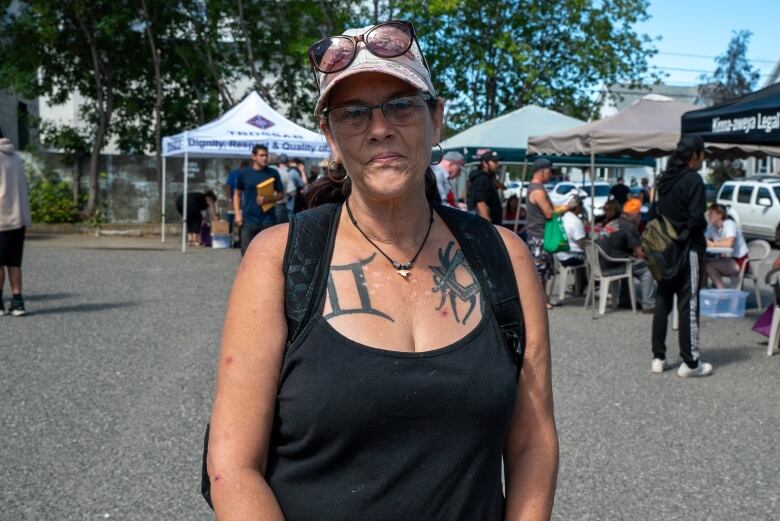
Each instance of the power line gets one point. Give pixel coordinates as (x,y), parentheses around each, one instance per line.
(686,55)
(703,71)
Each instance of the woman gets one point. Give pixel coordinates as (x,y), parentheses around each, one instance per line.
(197,203)
(389,405)
(681,201)
(723,232)
(514,216)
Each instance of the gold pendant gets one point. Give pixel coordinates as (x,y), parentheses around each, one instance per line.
(403,273)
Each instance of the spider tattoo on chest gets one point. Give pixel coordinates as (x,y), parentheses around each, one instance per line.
(451,290)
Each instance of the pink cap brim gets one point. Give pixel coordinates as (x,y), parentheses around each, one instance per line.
(391,68)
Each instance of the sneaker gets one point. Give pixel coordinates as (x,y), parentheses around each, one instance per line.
(2,308)
(703,369)
(659,365)
(17,308)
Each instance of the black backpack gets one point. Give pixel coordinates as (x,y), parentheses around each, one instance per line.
(312,233)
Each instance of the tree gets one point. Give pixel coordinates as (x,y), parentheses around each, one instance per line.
(73,46)
(488,58)
(734,76)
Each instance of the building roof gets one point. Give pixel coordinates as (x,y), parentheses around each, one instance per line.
(617,97)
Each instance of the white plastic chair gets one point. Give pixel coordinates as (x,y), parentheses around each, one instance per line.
(562,276)
(773,279)
(758,251)
(605,279)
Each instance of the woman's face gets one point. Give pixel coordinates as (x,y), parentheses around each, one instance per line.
(385,161)
(714,217)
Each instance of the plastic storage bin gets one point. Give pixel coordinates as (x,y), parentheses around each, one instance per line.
(220,241)
(722,303)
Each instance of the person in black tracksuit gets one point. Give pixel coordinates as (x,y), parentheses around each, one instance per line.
(681,200)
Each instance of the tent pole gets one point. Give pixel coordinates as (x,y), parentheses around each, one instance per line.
(520,193)
(592,281)
(184,197)
(162,200)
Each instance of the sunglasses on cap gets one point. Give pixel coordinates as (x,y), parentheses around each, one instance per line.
(386,40)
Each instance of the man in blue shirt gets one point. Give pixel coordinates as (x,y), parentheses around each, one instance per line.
(247,203)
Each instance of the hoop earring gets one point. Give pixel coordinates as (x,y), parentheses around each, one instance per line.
(333,166)
(441,154)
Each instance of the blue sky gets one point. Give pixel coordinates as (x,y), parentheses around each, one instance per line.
(704,27)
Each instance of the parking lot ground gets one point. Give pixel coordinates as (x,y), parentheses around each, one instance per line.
(107,386)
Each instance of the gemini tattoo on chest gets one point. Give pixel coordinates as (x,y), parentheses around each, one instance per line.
(446,283)
(362,290)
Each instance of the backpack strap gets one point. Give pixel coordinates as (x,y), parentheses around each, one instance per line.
(489,260)
(309,247)
(310,242)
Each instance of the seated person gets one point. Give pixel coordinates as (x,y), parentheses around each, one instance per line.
(620,240)
(514,215)
(723,232)
(575,232)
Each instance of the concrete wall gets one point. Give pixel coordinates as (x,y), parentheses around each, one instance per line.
(129,185)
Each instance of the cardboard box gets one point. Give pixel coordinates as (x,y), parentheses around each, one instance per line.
(219,228)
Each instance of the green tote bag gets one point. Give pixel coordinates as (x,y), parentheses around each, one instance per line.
(555,239)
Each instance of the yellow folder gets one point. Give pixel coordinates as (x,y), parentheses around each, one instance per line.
(266,189)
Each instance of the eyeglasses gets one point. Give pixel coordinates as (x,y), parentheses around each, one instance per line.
(386,40)
(354,119)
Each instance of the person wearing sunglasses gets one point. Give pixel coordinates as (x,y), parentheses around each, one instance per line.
(399,399)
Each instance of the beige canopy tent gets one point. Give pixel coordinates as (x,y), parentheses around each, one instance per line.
(648,128)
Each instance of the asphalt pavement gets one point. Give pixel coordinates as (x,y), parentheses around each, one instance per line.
(107,386)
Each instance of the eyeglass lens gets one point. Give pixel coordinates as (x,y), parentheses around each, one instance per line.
(355,118)
(387,41)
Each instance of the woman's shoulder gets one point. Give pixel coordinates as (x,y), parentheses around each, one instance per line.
(266,251)
(515,246)
(730,228)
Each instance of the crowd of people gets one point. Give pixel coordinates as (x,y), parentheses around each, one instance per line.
(618,235)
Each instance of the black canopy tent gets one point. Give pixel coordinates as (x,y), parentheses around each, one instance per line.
(752,119)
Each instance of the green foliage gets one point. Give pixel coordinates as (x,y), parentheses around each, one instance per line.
(724,170)
(51,201)
(489,58)
(734,76)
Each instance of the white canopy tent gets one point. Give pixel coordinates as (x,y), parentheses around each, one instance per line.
(251,122)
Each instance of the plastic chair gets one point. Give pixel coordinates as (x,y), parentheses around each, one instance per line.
(773,279)
(562,276)
(605,278)
(758,251)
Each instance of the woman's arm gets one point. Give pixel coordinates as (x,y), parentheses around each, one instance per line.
(531,448)
(253,340)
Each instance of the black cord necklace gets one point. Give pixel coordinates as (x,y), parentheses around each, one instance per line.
(403,269)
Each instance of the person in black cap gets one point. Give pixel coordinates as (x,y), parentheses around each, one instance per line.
(620,192)
(538,211)
(483,196)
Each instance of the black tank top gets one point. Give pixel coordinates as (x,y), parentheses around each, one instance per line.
(362,433)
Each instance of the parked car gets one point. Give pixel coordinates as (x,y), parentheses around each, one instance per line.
(754,205)
(600,192)
(561,192)
(513,188)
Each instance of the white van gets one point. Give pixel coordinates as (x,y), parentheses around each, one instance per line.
(754,204)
